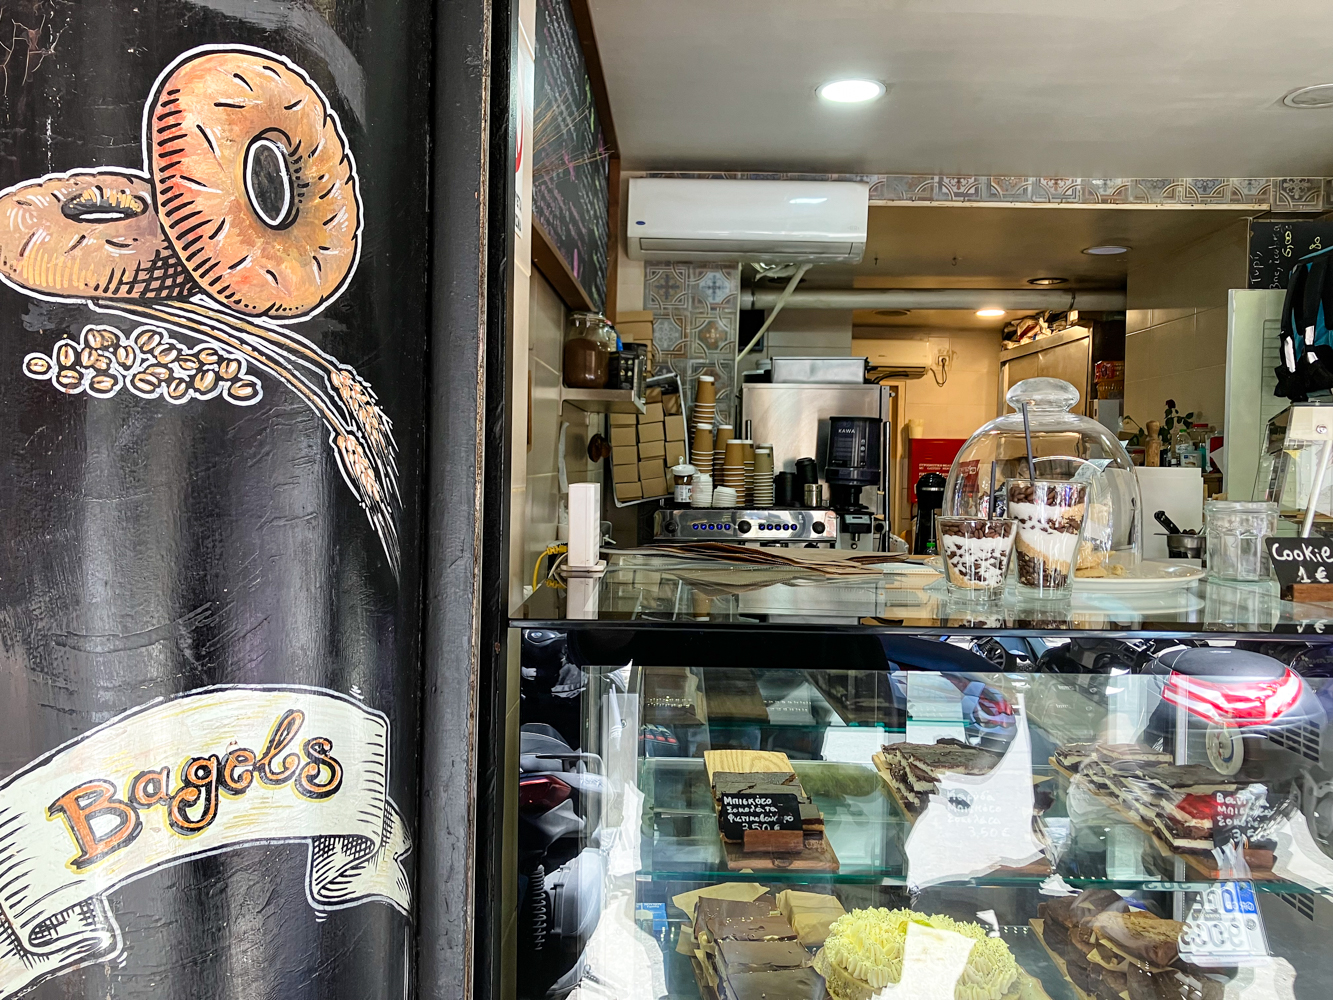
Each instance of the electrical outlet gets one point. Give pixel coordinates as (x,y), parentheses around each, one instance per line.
(941,359)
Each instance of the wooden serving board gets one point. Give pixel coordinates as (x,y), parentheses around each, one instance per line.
(1037,923)
(817,856)
(745,762)
(1201,864)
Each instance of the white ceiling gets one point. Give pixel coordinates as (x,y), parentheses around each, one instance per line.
(1075,88)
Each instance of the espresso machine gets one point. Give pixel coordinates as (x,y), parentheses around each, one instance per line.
(822,408)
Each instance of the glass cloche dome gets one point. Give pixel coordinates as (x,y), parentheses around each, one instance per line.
(1065,446)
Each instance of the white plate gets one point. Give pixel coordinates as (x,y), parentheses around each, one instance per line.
(1151,578)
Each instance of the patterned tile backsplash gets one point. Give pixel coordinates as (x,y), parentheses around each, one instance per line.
(696,317)
(1277,194)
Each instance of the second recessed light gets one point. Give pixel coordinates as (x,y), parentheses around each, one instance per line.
(1106,250)
(851,91)
(990,313)
(1047,281)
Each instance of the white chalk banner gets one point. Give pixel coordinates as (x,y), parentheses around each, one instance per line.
(213,770)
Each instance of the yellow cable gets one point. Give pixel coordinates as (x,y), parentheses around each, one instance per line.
(550,550)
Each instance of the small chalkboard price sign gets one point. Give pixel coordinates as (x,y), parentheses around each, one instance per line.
(1304,568)
(754,811)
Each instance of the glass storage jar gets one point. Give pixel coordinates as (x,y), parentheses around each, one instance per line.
(1065,447)
(1235,531)
(586,356)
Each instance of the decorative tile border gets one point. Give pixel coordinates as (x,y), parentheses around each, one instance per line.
(1276,194)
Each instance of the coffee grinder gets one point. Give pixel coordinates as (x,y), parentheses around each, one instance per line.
(855,453)
(929,499)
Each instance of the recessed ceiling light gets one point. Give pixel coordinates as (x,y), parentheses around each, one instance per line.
(851,91)
(892,312)
(1318,96)
(990,313)
(1047,281)
(1106,250)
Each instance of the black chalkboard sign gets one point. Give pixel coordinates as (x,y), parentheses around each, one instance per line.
(569,162)
(1275,247)
(757,811)
(1304,567)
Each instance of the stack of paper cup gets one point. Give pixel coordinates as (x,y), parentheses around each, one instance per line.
(724,434)
(747,489)
(733,468)
(701,454)
(763,476)
(724,496)
(701,490)
(705,400)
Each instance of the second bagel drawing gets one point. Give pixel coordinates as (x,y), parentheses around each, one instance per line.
(245,220)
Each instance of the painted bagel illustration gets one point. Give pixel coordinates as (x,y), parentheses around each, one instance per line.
(89,233)
(253,199)
(253,183)
(247,215)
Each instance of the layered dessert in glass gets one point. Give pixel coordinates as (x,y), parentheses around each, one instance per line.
(976,555)
(1050,518)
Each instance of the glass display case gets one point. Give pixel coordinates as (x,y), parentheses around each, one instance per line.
(737,787)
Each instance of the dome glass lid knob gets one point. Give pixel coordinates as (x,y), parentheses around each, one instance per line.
(1043,394)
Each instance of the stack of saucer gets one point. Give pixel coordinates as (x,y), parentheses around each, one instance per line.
(705,400)
(724,433)
(724,496)
(733,469)
(763,476)
(701,490)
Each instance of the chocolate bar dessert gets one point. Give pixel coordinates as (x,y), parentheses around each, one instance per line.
(735,957)
(913,770)
(789,984)
(713,918)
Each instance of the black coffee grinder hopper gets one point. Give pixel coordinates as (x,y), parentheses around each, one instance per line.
(855,454)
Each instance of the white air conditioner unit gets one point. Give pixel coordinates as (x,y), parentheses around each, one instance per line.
(672,218)
(905,359)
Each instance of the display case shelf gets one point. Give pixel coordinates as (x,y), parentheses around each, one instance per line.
(602,400)
(868,830)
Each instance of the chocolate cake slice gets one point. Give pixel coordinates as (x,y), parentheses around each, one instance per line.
(736,957)
(789,984)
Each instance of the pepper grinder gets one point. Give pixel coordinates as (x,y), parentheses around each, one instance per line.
(1153,446)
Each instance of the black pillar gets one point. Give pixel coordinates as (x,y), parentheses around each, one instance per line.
(215,243)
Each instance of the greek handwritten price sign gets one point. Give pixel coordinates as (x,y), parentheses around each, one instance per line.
(753,811)
(1304,567)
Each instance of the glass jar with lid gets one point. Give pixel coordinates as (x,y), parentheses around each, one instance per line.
(587,355)
(1065,447)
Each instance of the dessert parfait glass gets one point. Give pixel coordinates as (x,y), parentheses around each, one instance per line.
(976,553)
(1066,446)
(1050,517)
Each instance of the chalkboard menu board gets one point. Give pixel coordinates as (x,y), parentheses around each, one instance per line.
(569,163)
(1275,247)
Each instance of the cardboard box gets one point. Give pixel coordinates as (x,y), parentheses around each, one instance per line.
(655,488)
(651,468)
(652,414)
(652,432)
(625,437)
(625,473)
(675,427)
(653,394)
(629,491)
(652,449)
(623,419)
(635,326)
(671,403)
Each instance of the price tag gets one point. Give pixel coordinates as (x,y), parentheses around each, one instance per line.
(743,811)
(1303,566)
(1224,928)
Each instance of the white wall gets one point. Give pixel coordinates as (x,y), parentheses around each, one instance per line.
(1176,327)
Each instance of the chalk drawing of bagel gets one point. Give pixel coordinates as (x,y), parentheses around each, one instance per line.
(245,220)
